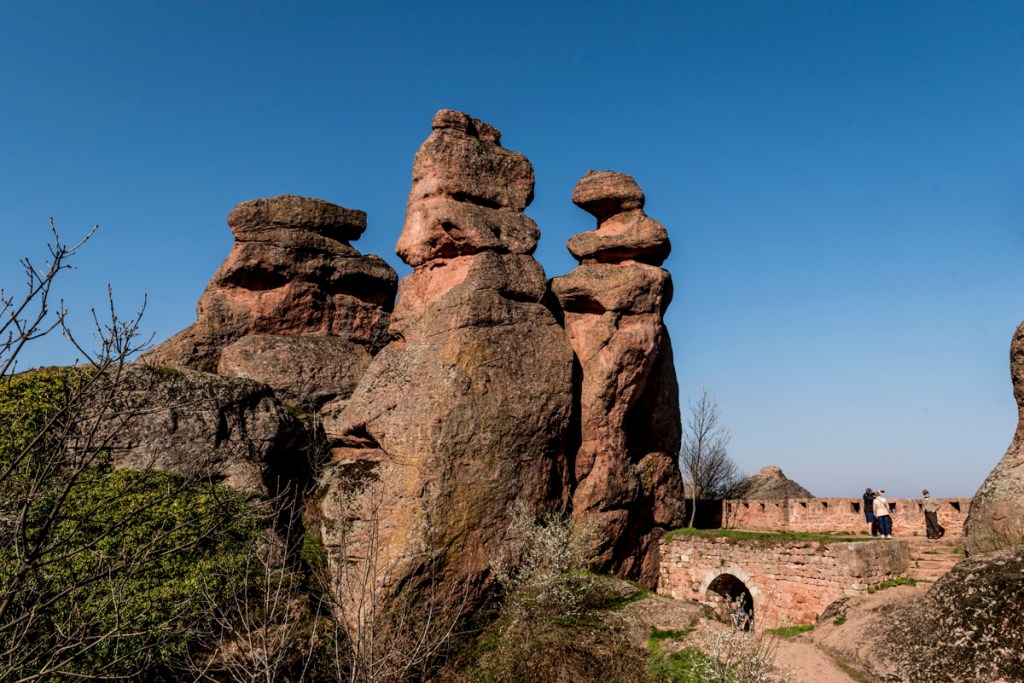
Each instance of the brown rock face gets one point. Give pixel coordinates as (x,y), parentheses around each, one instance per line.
(769,484)
(963,629)
(196,424)
(467,409)
(996,519)
(292,272)
(625,468)
(624,232)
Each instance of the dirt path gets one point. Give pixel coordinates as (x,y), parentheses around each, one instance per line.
(806,663)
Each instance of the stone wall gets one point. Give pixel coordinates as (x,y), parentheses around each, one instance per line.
(790,582)
(821,515)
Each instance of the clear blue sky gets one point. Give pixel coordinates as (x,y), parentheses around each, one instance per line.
(842,181)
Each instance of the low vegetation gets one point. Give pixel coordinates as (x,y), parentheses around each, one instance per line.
(891,583)
(765,537)
(790,631)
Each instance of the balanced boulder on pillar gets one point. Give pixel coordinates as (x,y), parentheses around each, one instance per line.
(625,469)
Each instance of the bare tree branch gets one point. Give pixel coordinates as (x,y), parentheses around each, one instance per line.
(704,460)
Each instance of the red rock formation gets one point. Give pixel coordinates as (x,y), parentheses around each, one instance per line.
(625,470)
(466,411)
(292,272)
(996,519)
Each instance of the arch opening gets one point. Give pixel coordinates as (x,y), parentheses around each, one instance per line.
(727,589)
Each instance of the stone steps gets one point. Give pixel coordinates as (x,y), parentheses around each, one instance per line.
(931,559)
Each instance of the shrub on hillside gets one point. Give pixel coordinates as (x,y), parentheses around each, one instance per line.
(98,567)
(553,624)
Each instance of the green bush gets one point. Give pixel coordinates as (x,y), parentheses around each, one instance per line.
(102,564)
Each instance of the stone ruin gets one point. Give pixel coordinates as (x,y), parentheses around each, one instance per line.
(482,384)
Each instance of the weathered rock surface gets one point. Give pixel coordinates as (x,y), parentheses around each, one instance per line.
(996,519)
(466,411)
(624,231)
(769,484)
(965,628)
(197,424)
(291,272)
(304,370)
(625,471)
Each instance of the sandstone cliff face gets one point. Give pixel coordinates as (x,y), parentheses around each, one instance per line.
(996,518)
(625,474)
(466,410)
(291,272)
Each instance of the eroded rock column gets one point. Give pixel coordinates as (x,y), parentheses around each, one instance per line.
(466,410)
(294,305)
(625,471)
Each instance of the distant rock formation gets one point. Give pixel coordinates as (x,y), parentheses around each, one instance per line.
(466,410)
(770,484)
(996,518)
(625,472)
(292,272)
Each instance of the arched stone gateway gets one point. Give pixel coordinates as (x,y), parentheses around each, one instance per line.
(788,581)
(726,588)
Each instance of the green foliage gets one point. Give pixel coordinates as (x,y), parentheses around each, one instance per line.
(898,581)
(840,620)
(140,547)
(667,634)
(790,631)
(313,553)
(31,407)
(685,666)
(110,561)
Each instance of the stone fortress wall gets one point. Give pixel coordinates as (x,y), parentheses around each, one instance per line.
(789,582)
(821,515)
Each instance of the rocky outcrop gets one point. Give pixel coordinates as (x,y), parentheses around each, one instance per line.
(769,484)
(194,424)
(963,629)
(466,410)
(996,519)
(292,272)
(625,474)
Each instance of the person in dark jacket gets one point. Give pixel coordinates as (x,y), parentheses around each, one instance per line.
(869,514)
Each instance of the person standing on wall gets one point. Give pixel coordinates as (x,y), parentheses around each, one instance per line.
(881,509)
(869,512)
(931,516)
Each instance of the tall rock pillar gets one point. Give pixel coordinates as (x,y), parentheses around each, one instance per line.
(625,469)
(467,409)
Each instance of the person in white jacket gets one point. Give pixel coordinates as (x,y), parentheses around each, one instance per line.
(881,510)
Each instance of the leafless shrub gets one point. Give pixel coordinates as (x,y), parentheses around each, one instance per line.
(385,630)
(737,656)
(267,630)
(542,566)
(70,565)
